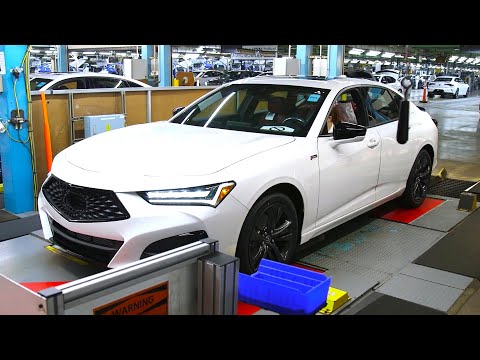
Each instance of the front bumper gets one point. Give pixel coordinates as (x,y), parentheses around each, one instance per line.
(126,240)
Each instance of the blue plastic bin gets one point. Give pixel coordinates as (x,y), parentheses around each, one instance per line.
(283,288)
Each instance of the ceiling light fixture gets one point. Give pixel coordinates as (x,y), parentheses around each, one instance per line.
(356,51)
(373,53)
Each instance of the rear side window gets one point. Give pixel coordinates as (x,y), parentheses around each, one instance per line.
(105,82)
(126,83)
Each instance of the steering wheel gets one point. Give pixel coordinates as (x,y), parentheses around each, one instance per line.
(296,120)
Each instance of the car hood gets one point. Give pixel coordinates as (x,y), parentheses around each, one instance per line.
(163,149)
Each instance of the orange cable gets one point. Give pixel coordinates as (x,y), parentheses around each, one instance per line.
(46,133)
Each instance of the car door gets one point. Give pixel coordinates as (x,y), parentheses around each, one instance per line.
(348,171)
(462,86)
(383,109)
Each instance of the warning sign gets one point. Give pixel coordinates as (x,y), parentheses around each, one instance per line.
(152,301)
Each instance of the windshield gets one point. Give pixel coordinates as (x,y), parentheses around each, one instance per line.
(38,83)
(443,79)
(261,108)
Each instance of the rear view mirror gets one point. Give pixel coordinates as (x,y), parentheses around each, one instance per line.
(177,110)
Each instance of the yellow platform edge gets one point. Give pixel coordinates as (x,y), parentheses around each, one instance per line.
(335,299)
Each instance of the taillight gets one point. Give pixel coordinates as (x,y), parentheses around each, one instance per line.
(449,84)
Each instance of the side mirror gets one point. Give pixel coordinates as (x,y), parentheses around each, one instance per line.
(402,127)
(176,110)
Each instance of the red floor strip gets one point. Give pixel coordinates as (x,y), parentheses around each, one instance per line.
(246,309)
(408,215)
(39,286)
(301,266)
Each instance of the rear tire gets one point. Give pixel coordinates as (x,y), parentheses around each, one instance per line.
(466,94)
(270,230)
(418,181)
(455,96)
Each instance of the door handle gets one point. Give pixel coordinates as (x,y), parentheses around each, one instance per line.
(372,143)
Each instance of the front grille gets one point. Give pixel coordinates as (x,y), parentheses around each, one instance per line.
(83,204)
(91,247)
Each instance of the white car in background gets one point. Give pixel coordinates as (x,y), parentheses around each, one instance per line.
(389,80)
(251,164)
(76,81)
(448,85)
(204,76)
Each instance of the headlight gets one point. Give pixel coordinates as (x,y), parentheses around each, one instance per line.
(210,195)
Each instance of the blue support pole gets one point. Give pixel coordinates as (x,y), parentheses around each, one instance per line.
(147,53)
(165,65)
(335,60)
(62,58)
(15,149)
(303,54)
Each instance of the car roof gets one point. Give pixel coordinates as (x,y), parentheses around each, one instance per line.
(58,75)
(69,75)
(336,83)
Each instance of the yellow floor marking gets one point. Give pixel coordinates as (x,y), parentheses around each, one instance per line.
(64,254)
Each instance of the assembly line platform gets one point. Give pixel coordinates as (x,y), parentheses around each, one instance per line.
(389,261)
(395,261)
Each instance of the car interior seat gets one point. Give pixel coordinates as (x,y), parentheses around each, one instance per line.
(278,110)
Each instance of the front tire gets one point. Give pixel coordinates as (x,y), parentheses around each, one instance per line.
(466,93)
(418,181)
(270,230)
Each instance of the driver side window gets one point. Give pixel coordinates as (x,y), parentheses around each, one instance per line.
(345,108)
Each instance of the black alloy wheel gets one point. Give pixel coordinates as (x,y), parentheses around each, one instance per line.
(418,181)
(270,231)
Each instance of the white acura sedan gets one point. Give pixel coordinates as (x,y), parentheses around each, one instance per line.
(448,85)
(261,165)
